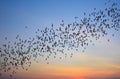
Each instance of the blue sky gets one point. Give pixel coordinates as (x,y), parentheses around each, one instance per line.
(16,14)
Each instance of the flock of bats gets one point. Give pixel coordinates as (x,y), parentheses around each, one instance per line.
(52,41)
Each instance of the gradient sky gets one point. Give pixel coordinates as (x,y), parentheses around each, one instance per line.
(101,61)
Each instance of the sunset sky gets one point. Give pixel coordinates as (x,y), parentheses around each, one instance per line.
(99,61)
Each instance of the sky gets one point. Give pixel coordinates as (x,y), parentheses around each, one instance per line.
(100,61)
(15,15)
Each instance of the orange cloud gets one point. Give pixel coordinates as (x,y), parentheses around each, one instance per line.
(80,67)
